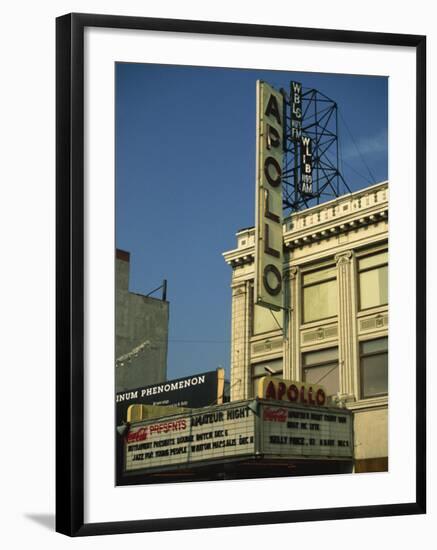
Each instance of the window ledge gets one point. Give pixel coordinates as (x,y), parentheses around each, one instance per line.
(320,323)
(372,310)
(369,403)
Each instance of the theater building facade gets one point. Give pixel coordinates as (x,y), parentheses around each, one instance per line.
(333,328)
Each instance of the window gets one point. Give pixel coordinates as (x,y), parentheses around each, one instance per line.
(374,367)
(262,318)
(321,367)
(319,294)
(373,280)
(263,369)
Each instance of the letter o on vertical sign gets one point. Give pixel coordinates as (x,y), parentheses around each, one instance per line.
(276,180)
(271,269)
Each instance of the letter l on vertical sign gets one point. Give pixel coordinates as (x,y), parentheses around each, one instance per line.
(269,218)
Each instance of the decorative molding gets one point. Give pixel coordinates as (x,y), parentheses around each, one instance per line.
(344,257)
(379,321)
(242,260)
(267,346)
(239,290)
(291,273)
(321,333)
(344,400)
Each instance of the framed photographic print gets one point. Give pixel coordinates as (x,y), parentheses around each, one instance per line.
(240,211)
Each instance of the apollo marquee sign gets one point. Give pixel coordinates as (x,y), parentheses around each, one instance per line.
(278,389)
(242,430)
(269,217)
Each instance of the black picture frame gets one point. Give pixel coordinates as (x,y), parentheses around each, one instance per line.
(70,273)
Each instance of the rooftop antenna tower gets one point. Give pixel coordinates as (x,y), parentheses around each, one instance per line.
(311,172)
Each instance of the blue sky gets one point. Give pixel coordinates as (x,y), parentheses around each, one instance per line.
(185,183)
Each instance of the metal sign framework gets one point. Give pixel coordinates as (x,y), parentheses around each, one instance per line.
(319,122)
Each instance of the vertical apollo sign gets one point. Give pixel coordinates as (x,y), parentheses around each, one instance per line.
(268,228)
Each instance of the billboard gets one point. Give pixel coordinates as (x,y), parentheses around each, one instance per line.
(198,390)
(268,225)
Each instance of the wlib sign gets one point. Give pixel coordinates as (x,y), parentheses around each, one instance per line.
(306,163)
(268,228)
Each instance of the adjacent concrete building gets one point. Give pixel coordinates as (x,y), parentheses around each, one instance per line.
(141,333)
(334,327)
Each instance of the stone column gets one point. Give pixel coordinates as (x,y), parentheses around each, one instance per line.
(292,370)
(288,317)
(347,337)
(240,345)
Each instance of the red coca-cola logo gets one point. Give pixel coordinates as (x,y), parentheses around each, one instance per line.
(275,415)
(140,435)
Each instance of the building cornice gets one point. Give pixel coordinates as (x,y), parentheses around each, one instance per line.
(240,256)
(330,219)
(296,239)
(342,215)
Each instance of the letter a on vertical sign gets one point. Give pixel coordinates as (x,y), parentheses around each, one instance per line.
(268,226)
